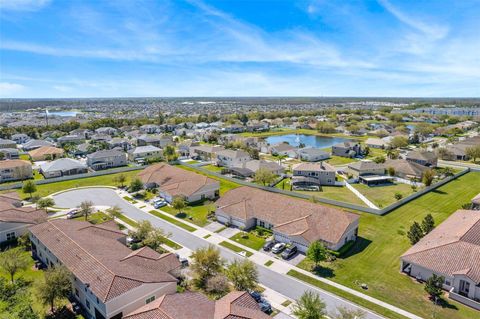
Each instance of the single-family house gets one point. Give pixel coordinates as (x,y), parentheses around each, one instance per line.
(347,149)
(155,140)
(255,165)
(20,138)
(205,152)
(142,153)
(451,250)
(9,153)
(106,131)
(15,170)
(376,143)
(406,169)
(283,149)
(106,159)
(4,143)
(33,144)
(312,174)
(46,153)
(62,167)
(231,158)
(362,168)
(424,158)
(292,220)
(15,219)
(150,128)
(120,143)
(235,305)
(311,154)
(71,139)
(184,147)
(85,133)
(234,128)
(172,181)
(109,279)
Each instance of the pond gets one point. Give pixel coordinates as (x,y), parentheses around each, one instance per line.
(308,140)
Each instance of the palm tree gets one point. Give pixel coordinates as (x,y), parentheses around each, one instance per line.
(281,158)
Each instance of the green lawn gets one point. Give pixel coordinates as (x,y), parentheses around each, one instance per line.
(173,221)
(104,180)
(383,196)
(249,239)
(95,218)
(37,175)
(339,160)
(375,258)
(196,214)
(341,194)
(213,168)
(235,248)
(225,185)
(268,263)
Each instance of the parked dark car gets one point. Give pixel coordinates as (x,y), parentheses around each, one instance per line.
(289,252)
(268,245)
(256,295)
(265,306)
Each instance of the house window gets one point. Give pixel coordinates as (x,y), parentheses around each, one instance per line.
(11,236)
(150,299)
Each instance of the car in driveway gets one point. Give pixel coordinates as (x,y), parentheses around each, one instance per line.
(269,245)
(278,248)
(74,213)
(289,252)
(255,295)
(265,306)
(159,203)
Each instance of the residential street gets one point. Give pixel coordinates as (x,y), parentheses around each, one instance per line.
(281,283)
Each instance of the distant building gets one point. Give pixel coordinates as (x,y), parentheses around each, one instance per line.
(33,144)
(62,167)
(9,153)
(424,158)
(283,149)
(346,149)
(7,143)
(376,143)
(106,159)
(312,154)
(148,152)
(20,138)
(231,158)
(46,153)
(15,170)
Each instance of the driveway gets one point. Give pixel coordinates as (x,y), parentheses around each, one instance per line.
(283,284)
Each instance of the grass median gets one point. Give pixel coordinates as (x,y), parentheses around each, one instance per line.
(235,248)
(172,220)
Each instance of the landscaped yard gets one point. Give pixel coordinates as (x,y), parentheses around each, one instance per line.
(225,185)
(196,214)
(375,258)
(172,220)
(339,193)
(213,168)
(383,196)
(235,248)
(249,239)
(339,160)
(104,180)
(95,218)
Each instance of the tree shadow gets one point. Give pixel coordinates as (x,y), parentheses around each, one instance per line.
(445,304)
(360,245)
(322,271)
(436,191)
(181,215)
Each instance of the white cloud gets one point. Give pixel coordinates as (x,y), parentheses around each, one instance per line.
(23,5)
(8,89)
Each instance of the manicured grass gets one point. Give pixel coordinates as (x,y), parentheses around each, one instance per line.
(104,180)
(375,258)
(24,157)
(212,168)
(37,175)
(383,196)
(196,214)
(129,199)
(341,194)
(220,229)
(172,220)
(235,248)
(359,301)
(339,160)
(286,303)
(127,220)
(95,218)
(225,185)
(249,240)
(207,236)
(268,263)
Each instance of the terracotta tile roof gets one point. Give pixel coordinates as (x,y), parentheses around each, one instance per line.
(12,212)
(14,163)
(289,215)
(95,255)
(45,150)
(451,248)
(194,305)
(174,180)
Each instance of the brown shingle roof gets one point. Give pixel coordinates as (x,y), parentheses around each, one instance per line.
(174,180)
(451,248)
(289,215)
(45,150)
(406,167)
(12,212)
(14,163)
(94,254)
(194,305)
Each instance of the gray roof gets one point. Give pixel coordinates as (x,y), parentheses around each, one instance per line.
(36,144)
(143,149)
(5,141)
(365,165)
(62,164)
(105,153)
(312,151)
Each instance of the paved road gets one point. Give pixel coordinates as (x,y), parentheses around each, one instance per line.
(283,284)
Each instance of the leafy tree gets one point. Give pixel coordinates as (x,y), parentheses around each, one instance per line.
(428,224)
(155,239)
(243,274)
(391,171)
(45,202)
(264,176)
(144,227)
(56,285)
(366,151)
(326,127)
(444,153)
(29,187)
(346,313)
(379,159)
(86,208)
(309,306)
(398,142)
(393,154)
(317,252)
(398,196)
(12,261)
(433,286)
(448,171)
(120,179)
(169,153)
(281,158)
(428,177)
(415,233)
(178,203)
(206,263)
(218,285)
(114,212)
(473,152)
(136,185)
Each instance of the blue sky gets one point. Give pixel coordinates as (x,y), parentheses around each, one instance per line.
(100,48)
